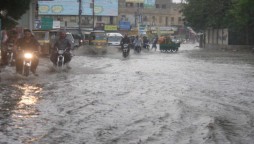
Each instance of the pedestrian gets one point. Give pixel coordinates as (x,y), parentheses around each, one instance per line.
(154,45)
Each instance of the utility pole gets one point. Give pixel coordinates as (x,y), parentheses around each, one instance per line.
(79,16)
(93,13)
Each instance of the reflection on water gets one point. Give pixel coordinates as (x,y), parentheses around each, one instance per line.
(17,103)
(25,108)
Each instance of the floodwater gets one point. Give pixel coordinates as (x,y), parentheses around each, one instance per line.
(192,96)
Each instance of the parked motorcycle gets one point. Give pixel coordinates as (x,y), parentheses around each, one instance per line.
(126,50)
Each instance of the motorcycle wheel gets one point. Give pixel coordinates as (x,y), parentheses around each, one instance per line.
(26,70)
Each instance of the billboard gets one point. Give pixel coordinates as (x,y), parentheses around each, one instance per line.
(149,3)
(135,1)
(124,25)
(71,7)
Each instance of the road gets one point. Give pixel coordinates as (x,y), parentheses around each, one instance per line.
(189,97)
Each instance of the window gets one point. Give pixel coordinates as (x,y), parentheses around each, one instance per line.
(172,20)
(99,18)
(160,19)
(111,19)
(72,18)
(179,20)
(129,4)
(166,21)
(145,18)
(164,6)
(157,6)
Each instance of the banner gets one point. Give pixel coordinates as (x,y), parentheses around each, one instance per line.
(71,7)
(110,27)
(135,1)
(46,23)
(149,3)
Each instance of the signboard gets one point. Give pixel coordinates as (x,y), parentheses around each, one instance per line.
(110,27)
(149,3)
(37,24)
(124,25)
(56,25)
(71,7)
(46,23)
(135,1)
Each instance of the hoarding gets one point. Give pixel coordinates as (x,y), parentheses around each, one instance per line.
(110,27)
(149,3)
(135,1)
(46,23)
(71,7)
(124,25)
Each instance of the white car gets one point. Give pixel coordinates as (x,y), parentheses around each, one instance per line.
(114,39)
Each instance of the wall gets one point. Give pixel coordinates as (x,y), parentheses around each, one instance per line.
(219,38)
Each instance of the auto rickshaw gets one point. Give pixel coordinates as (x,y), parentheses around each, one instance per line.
(98,41)
(44,39)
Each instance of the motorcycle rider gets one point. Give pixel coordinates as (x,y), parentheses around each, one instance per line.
(125,40)
(63,44)
(11,41)
(145,42)
(137,42)
(27,42)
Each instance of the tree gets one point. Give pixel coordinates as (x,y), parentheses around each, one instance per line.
(15,9)
(242,16)
(201,14)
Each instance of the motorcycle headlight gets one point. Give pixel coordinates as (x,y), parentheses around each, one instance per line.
(28,55)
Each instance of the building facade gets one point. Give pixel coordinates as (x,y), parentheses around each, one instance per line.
(161,13)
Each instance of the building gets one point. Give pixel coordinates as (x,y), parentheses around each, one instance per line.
(79,13)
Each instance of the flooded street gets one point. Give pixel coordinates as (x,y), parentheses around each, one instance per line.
(189,97)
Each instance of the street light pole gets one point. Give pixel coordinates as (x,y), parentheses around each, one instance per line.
(93,14)
(79,16)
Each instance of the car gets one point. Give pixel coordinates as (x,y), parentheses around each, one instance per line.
(114,40)
(114,34)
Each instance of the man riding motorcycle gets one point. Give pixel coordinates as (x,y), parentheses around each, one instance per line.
(10,42)
(61,44)
(137,43)
(125,40)
(27,43)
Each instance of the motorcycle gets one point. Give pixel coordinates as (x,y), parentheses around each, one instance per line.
(10,55)
(27,62)
(137,49)
(60,58)
(126,50)
(146,46)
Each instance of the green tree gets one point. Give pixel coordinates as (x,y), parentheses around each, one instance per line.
(201,14)
(243,13)
(14,9)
